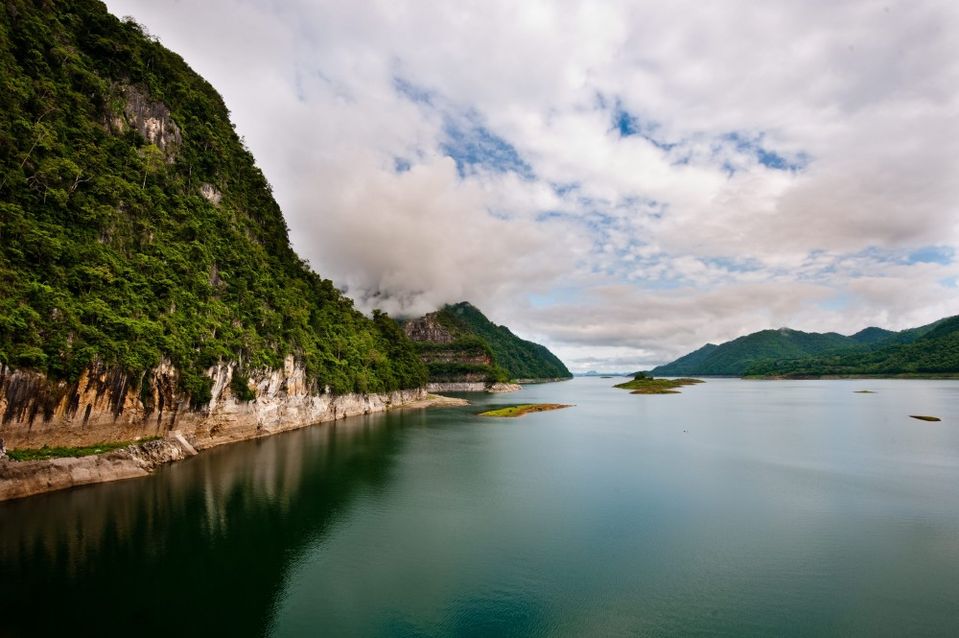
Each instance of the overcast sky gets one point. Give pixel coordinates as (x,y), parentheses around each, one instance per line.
(621,181)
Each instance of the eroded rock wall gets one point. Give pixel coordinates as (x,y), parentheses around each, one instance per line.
(106,405)
(428,328)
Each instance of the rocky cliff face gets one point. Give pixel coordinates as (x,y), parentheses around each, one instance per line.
(151,118)
(428,328)
(472,386)
(457,362)
(451,355)
(106,405)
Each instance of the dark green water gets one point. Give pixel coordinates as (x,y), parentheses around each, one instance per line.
(734,509)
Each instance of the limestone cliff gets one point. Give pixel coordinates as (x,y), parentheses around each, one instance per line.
(457,362)
(141,244)
(464,351)
(107,405)
(428,328)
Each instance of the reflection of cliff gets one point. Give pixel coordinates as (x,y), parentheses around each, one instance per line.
(204,544)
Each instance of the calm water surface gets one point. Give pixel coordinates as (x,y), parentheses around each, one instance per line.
(737,508)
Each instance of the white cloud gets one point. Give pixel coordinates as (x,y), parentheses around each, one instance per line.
(611,248)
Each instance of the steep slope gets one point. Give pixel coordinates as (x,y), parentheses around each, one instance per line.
(458,343)
(520,358)
(141,246)
(737,356)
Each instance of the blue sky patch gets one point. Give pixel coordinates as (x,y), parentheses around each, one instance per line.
(413,92)
(728,264)
(765,156)
(932,255)
(837,302)
(564,189)
(474,146)
(629,125)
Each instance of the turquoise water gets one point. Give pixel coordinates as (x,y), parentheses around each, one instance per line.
(737,508)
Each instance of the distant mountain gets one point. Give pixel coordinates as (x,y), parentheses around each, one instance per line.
(458,343)
(688,364)
(737,356)
(926,349)
(930,349)
(871,335)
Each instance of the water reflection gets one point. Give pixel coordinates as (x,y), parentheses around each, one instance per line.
(737,508)
(203,544)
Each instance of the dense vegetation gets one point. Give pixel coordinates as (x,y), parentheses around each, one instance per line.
(933,348)
(691,363)
(935,351)
(110,253)
(519,358)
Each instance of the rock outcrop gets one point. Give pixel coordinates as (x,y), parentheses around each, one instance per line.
(151,118)
(107,405)
(19,479)
(457,362)
(472,386)
(462,348)
(428,328)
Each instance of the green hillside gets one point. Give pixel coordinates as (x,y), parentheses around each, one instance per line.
(690,363)
(739,355)
(458,343)
(520,358)
(934,351)
(135,224)
(926,349)
(872,335)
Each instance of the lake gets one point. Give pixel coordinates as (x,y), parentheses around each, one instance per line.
(737,508)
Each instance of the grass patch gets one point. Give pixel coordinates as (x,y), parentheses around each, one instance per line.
(523,408)
(648,385)
(923,417)
(863,392)
(46,453)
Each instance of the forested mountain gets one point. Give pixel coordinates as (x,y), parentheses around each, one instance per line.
(735,357)
(688,364)
(136,227)
(458,341)
(921,351)
(933,348)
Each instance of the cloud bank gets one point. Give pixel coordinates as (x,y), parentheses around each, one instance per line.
(622,181)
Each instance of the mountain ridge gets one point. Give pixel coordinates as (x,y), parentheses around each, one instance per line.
(785,351)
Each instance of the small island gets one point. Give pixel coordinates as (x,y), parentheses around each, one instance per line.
(642,384)
(523,408)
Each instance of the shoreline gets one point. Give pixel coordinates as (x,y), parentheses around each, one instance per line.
(22,479)
(825,377)
(840,377)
